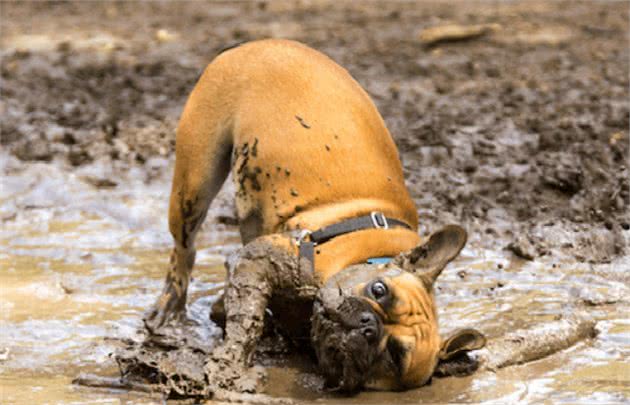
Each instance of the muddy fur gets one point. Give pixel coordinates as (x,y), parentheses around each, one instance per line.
(344,354)
(180,366)
(257,273)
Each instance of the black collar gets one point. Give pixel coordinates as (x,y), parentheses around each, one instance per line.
(375,220)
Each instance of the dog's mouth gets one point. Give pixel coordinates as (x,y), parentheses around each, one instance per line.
(346,333)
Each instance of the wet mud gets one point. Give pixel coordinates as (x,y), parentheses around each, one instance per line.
(177,367)
(519,134)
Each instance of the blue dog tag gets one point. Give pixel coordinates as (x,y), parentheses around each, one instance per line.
(379,260)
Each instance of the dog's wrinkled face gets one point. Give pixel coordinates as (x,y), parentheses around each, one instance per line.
(375,326)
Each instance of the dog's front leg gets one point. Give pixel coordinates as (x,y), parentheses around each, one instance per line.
(201,166)
(246,296)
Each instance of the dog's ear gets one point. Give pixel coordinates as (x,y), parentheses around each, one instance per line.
(429,259)
(462,340)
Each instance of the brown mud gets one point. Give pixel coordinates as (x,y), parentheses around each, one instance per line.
(520,135)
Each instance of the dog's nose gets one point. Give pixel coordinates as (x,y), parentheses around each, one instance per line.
(367,318)
(369,326)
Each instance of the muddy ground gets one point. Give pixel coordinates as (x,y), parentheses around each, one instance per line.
(520,135)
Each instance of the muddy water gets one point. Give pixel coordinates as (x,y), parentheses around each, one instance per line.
(80,264)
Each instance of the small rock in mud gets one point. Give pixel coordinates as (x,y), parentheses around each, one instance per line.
(455,32)
(9,216)
(78,157)
(523,248)
(100,182)
(227,219)
(33,151)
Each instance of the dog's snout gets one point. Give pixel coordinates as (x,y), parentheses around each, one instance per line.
(369,326)
(370,333)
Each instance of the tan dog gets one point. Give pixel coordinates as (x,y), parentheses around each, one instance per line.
(308,150)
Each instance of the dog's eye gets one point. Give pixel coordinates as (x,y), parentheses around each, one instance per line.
(378,289)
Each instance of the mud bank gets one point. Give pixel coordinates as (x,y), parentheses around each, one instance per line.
(521,135)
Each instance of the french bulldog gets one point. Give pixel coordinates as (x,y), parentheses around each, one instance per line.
(328,227)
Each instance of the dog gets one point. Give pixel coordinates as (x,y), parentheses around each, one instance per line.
(318,182)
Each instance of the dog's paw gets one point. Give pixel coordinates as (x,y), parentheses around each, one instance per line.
(168,308)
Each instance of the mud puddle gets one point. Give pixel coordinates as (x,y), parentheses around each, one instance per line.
(81,263)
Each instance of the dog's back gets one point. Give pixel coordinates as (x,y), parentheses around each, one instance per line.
(308,146)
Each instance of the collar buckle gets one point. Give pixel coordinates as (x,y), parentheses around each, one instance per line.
(302,236)
(379,220)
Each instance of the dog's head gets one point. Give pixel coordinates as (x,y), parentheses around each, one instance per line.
(375,326)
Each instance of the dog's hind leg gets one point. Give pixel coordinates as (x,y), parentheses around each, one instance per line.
(203,150)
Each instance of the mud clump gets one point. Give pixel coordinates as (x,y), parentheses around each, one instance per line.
(259,276)
(345,356)
(522,346)
(178,366)
(173,371)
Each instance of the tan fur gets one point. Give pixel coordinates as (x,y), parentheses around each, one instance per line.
(413,320)
(264,95)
